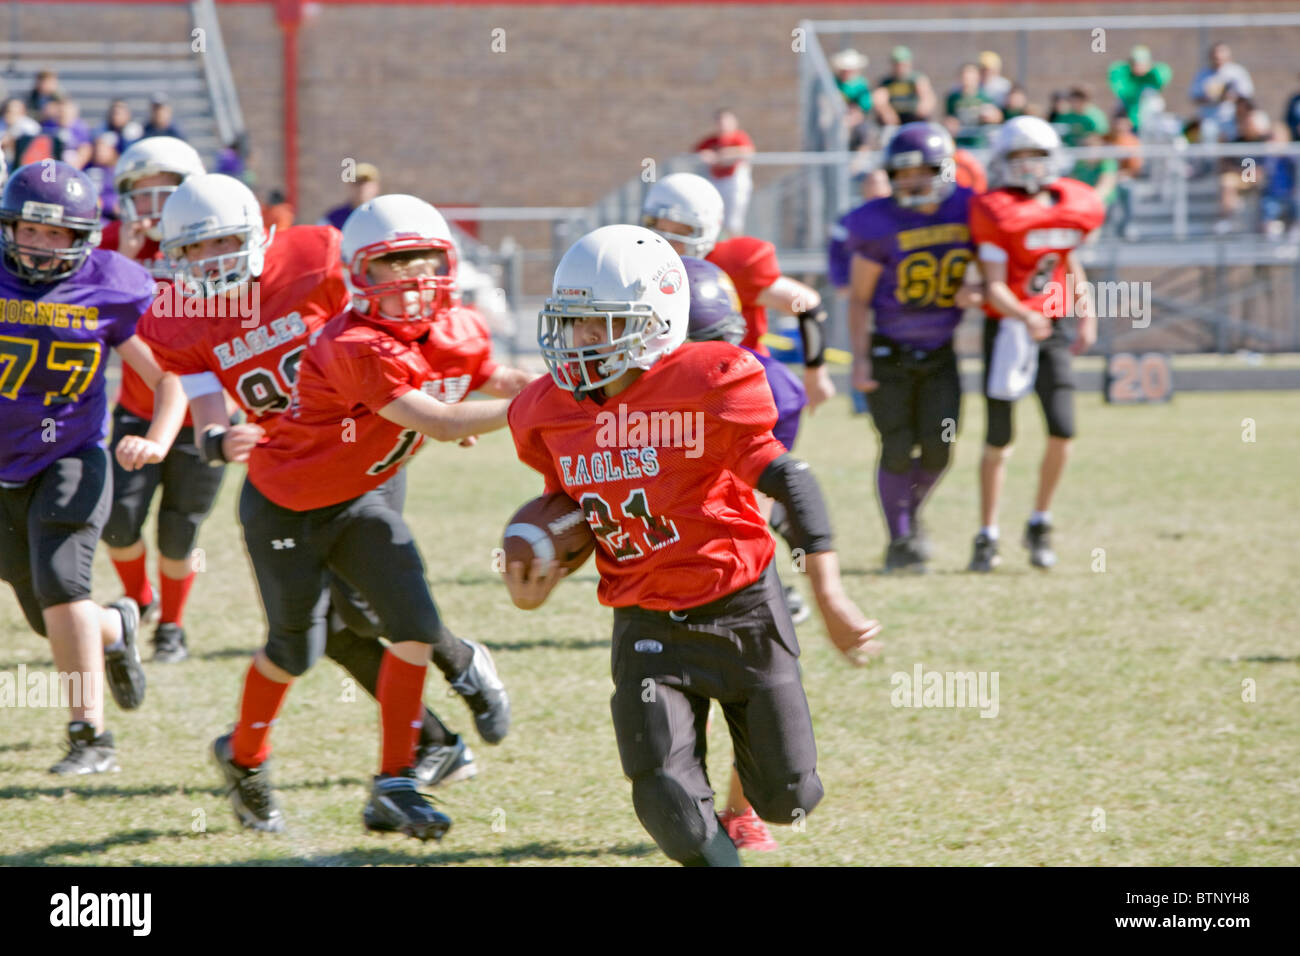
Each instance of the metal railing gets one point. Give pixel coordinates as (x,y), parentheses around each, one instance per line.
(216,70)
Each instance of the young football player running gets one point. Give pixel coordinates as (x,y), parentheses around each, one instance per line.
(63,303)
(909,252)
(684,556)
(687,210)
(259,302)
(371,386)
(715,316)
(1027,231)
(146,174)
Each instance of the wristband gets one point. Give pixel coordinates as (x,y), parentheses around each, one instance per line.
(814,342)
(212,450)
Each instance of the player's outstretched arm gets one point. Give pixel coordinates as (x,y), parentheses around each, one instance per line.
(805,304)
(427,415)
(168,408)
(529,588)
(791,482)
(506,382)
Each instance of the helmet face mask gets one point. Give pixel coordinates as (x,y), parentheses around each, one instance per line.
(433,294)
(921,145)
(203,209)
(619,303)
(221,271)
(1026,154)
(146,202)
(398,247)
(577,367)
(163,161)
(51,194)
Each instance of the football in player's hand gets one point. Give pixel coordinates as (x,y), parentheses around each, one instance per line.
(552,528)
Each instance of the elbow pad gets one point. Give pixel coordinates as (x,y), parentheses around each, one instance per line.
(811,327)
(791,482)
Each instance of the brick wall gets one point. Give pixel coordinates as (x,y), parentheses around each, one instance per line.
(581,95)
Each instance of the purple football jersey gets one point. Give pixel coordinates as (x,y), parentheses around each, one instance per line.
(53,343)
(924,260)
(789,396)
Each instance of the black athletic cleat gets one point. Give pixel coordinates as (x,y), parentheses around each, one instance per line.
(985,557)
(395,805)
(86,752)
(796,605)
(250,790)
(122,668)
(1038,539)
(169,644)
(485,695)
(903,555)
(444,763)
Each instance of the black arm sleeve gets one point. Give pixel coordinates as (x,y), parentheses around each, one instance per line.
(812,328)
(791,482)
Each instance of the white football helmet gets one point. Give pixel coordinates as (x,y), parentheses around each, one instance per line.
(691,200)
(1030,173)
(616,272)
(210,206)
(149,157)
(398,223)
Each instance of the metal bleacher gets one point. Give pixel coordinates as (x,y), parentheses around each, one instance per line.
(197,82)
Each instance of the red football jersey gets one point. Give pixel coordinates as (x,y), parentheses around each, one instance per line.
(664,472)
(135,396)
(253,344)
(1035,237)
(333,445)
(751,264)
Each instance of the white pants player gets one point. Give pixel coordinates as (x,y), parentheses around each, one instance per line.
(736,190)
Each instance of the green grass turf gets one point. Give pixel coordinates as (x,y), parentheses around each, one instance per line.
(1120,692)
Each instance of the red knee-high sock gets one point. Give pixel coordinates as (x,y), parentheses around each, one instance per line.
(135,580)
(399,690)
(262,698)
(175,592)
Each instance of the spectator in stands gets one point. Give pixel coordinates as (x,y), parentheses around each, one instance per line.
(47,84)
(1292,117)
(848,66)
(17,130)
(1277,203)
(992,83)
(1122,134)
(726,153)
(905,95)
(1216,88)
(103,158)
(363,188)
(1081,118)
(1101,174)
(70,139)
(971,107)
(1130,79)
(1016,103)
(277,212)
(1239,175)
(121,126)
(160,118)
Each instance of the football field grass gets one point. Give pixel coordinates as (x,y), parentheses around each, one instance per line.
(1147,689)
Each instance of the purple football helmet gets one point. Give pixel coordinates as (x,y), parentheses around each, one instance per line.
(925,145)
(49,193)
(715,304)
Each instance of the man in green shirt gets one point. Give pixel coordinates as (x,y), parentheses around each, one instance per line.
(1082,118)
(1130,78)
(971,107)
